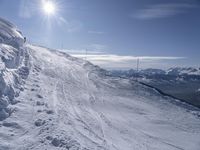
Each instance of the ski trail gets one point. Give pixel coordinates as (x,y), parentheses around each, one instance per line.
(99,115)
(77,116)
(55,98)
(69,113)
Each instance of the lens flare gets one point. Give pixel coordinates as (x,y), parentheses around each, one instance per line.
(49,7)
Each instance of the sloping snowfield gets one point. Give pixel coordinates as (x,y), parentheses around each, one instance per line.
(61,102)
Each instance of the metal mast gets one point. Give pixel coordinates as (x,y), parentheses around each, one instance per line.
(138,63)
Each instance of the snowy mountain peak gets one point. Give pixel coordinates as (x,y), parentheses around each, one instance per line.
(183,71)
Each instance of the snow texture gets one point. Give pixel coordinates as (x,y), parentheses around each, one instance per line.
(50,100)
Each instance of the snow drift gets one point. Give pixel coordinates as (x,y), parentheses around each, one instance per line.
(12,66)
(68,103)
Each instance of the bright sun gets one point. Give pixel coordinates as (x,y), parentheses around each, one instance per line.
(49,7)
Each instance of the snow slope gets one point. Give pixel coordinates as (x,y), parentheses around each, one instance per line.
(68,103)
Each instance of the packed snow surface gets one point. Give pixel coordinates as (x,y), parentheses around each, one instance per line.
(62,102)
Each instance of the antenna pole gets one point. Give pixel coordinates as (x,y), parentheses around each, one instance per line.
(138,62)
(85,54)
(137,74)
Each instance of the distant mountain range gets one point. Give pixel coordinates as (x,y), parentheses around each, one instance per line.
(183,71)
(181,83)
(150,71)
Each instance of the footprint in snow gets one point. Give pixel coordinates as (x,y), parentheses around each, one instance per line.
(39,96)
(49,111)
(11,124)
(38,103)
(39,122)
(33,89)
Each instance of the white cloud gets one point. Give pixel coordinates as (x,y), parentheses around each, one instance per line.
(162,10)
(97,47)
(117,58)
(82,52)
(112,61)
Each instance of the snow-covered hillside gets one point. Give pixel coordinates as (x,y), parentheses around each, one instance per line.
(62,102)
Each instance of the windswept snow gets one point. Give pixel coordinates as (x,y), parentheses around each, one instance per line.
(68,103)
(9,34)
(13,66)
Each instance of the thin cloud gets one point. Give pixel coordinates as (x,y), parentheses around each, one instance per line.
(96,32)
(74,26)
(97,47)
(82,52)
(112,61)
(162,10)
(69,25)
(118,58)
(63,20)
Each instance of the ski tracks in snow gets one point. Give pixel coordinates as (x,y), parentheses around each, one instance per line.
(74,109)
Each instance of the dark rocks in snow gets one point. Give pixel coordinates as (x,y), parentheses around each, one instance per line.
(40,122)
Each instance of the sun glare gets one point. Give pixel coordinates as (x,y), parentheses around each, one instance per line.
(49,7)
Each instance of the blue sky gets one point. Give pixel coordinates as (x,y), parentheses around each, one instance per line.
(163,33)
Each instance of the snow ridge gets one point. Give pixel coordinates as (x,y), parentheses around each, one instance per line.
(13,66)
